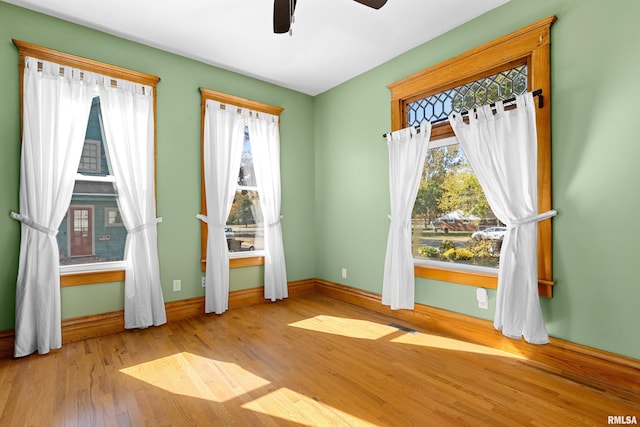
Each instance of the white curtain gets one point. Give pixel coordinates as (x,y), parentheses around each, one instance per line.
(55,113)
(502,150)
(127,114)
(223,139)
(407,152)
(264,135)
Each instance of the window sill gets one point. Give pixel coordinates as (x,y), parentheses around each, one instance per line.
(472,278)
(91,277)
(238,260)
(88,274)
(251,261)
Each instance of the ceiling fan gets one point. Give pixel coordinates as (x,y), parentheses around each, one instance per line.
(283,11)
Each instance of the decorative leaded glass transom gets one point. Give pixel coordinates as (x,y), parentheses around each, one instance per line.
(498,87)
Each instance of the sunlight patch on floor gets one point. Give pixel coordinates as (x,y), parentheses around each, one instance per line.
(198,377)
(292,406)
(367,330)
(352,328)
(189,375)
(444,343)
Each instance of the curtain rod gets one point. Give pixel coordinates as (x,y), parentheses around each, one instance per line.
(537,92)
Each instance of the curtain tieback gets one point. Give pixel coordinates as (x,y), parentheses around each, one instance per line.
(398,223)
(145,226)
(273,224)
(32,224)
(534,218)
(205,219)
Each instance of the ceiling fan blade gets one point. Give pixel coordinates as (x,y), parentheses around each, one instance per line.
(282,12)
(376,4)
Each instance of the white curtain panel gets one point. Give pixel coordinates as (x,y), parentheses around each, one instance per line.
(407,152)
(55,113)
(264,135)
(502,150)
(223,140)
(127,115)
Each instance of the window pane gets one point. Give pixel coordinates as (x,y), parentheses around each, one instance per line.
(92,230)
(245,230)
(452,220)
(246,176)
(498,87)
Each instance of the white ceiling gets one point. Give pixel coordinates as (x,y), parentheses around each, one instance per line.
(333,40)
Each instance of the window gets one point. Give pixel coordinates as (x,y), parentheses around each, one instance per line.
(92,232)
(244,228)
(245,219)
(451,210)
(83,237)
(512,64)
(91,158)
(112,217)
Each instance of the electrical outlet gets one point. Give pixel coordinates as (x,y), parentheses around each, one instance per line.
(204,281)
(344,273)
(483,298)
(177,285)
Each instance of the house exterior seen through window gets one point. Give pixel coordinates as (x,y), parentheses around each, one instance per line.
(452,220)
(92,230)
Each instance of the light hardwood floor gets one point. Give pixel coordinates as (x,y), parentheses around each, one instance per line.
(309,360)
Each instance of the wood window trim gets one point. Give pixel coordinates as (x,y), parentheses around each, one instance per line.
(530,45)
(236,101)
(46,54)
(91,278)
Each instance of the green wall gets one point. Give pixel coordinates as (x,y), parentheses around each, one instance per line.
(178,160)
(334,166)
(595,151)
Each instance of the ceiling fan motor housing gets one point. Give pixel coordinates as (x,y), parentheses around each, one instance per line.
(283,11)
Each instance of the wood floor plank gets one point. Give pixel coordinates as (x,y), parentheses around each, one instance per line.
(310,360)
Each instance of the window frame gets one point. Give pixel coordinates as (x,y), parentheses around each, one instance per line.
(530,45)
(46,54)
(239,259)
